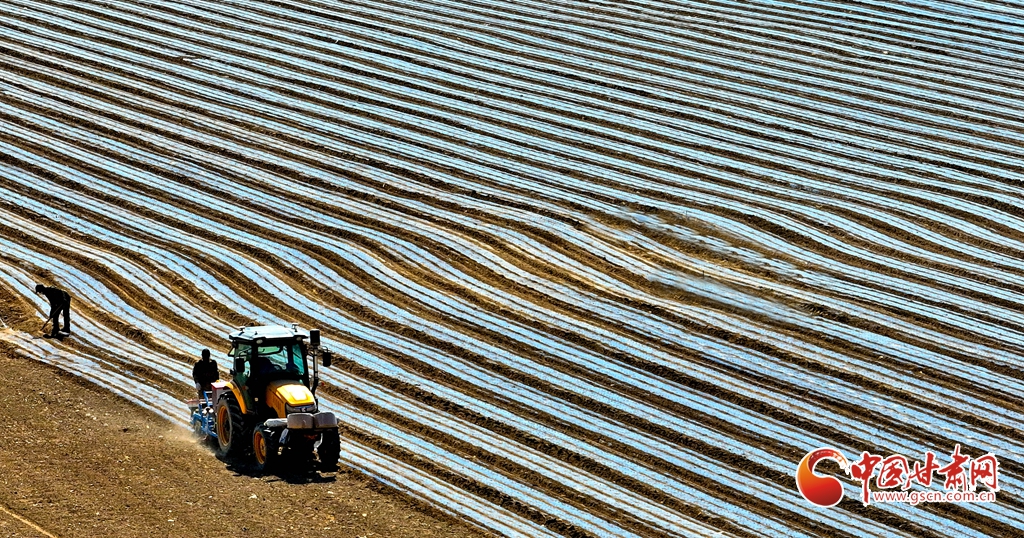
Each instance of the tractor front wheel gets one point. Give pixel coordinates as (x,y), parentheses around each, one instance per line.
(329,451)
(232,438)
(265,449)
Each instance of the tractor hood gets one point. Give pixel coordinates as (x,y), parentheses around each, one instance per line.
(292,393)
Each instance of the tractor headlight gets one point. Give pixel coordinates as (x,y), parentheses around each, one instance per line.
(311,408)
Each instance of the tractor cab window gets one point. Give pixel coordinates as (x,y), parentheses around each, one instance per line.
(240,351)
(274,358)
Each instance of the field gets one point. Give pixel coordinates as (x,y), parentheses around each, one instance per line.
(589,268)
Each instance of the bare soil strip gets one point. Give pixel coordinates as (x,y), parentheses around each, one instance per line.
(7,513)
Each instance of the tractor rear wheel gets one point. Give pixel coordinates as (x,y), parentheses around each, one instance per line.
(329,451)
(233,438)
(265,449)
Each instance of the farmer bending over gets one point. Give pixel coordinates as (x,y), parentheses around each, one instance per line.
(60,302)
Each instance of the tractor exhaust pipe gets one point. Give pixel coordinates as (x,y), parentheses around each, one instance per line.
(316,353)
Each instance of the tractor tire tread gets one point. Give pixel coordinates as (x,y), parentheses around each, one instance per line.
(329,451)
(240,439)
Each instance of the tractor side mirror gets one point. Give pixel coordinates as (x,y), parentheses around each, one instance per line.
(327,357)
(239,365)
(314,338)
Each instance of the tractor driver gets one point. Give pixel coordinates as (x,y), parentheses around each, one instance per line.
(262,371)
(261,365)
(204,373)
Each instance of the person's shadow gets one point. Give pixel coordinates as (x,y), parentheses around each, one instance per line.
(59,338)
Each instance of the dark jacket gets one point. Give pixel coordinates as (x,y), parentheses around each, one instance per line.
(205,372)
(57,298)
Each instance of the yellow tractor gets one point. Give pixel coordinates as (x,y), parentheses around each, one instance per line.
(268,409)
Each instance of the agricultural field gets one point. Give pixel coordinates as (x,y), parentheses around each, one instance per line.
(588,268)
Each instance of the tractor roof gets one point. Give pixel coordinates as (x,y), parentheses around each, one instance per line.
(268,332)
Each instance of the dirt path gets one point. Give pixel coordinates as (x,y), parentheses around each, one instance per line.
(80,462)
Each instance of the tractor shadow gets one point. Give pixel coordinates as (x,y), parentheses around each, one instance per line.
(288,472)
(284,470)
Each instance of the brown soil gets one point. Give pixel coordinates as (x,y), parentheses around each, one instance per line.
(78,461)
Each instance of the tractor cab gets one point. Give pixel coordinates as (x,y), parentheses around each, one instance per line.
(270,364)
